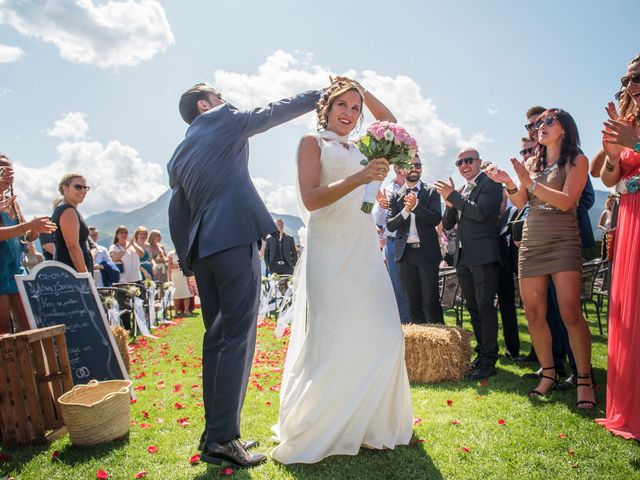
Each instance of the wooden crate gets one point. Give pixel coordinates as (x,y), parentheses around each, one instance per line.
(35,372)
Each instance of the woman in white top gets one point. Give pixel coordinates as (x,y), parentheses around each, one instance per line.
(126,255)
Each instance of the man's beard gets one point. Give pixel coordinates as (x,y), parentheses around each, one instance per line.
(413,177)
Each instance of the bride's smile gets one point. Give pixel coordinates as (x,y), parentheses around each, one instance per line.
(345,112)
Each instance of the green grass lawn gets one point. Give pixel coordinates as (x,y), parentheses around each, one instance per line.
(466,429)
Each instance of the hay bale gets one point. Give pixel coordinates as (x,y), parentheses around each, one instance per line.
(122,340)
(436,353)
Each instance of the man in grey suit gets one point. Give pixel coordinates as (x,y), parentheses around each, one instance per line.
(216,219)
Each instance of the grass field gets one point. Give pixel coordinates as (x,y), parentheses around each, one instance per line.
(466,430)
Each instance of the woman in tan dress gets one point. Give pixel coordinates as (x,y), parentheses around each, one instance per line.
(552,182)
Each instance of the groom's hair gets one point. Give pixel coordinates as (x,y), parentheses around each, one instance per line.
(188,105)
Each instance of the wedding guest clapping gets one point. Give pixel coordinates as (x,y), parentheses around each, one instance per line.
(146,262)
(552,183)
(621,141)
(158,256)
(126,255)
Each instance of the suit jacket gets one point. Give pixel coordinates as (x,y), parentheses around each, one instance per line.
(478,222)
(427,214)
(587,199)
(212,191)
(508,250)
(289,254)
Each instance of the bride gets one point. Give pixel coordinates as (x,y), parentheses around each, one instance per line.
(345,383)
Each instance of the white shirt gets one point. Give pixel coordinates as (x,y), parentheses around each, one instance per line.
(380,214)
(413,231)
(130,264)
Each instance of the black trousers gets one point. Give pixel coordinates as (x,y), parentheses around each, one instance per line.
(507,303)
(420,281)
(479,285)
(229,286)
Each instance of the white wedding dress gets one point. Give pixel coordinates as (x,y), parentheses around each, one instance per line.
(345,383)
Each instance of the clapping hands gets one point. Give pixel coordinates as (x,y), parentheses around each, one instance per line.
(445,189)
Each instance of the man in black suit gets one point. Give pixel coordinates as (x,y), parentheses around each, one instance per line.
(280,254)
(414,213)
(475,209)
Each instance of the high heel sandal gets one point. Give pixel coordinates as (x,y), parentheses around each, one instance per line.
(537,393)
(592,384)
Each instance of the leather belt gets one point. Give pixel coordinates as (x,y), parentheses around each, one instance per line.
(413,245)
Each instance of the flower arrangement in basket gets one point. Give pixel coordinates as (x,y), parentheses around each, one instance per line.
(167,285)
(109,302)
(133,291)
(148,283)
(385,140)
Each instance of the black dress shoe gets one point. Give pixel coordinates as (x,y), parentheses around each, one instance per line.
(475,363)
(569,383)
(248,444)
(481,372)
(232,452)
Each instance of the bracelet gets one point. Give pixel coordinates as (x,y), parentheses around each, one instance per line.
(511,191)
(532,188)
(608,166)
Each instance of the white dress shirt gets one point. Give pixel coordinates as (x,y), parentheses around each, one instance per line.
(413,231)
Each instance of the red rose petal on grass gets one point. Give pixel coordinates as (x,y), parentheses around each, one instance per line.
(268,404)
(466,450)
(226,472)
(177,387)
(275,388)
(449,403)
(145,425)
(570,451)
(183,422)
(145,414)
(417,421)
(141,474)
(195,459)
(484,383)
(178,406)
(54,455)
(455,422)
(140,375)
(139,387)
(132,401)
(501,422)
(563,435)
(101,474)
(4,457)
(152,449)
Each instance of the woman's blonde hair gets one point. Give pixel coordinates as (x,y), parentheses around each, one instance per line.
(66,181)
(626,104)
(337,88)
(153,234)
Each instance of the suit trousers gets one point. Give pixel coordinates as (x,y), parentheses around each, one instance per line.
(393,268)
(507,303)
(479,285)
(560,346)
(229,286)
(420,280)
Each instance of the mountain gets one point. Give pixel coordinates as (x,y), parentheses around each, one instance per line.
(154,217)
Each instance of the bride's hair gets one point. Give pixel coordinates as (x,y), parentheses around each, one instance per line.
(337,88)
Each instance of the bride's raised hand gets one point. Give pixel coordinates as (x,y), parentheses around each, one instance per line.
(376,170)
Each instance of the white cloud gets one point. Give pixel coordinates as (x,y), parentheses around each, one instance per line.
(73,125)
(119,178)
(278,198)
(107,34)
(283,74)
(10,54)
(492,109)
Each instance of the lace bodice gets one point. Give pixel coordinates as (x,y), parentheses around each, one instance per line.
(339,159)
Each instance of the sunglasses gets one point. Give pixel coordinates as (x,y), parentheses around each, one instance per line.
(416,166)
(529,126)
(635,78)
(526,151)
(468,161)
(546,121)
(79,187)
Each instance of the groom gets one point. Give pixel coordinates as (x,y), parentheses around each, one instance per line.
(212,193)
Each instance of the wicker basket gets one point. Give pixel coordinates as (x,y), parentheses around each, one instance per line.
(98,412)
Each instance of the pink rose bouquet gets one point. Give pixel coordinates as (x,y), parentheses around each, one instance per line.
(385,140)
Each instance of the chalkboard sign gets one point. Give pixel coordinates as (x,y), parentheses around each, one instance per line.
(53,294)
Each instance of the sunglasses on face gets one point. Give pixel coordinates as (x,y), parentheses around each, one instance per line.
(530,126)
(467,160)
(635,78)
(545,121)
(526,151)
(77,187)
(416,166)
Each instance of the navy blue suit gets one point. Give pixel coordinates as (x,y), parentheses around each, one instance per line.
(216,219)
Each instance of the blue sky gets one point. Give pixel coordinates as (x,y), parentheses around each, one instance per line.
(455,73)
